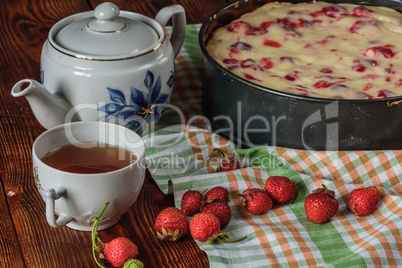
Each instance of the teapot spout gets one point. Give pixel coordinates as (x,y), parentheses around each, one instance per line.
(49,109)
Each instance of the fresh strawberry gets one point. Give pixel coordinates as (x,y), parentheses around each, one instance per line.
(171,224)
(220,209)
(364,201)
(321,205)
(281,189)
(217,192)
(191,202)
(257,201)
(205,227)
(120,250)
(227,163)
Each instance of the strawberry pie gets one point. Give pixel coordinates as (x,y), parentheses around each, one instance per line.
(317,49)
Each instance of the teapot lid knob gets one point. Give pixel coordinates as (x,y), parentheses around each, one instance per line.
(106,19)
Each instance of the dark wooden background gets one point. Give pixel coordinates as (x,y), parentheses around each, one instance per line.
(26,240)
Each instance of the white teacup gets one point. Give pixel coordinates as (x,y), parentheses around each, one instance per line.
(77,198)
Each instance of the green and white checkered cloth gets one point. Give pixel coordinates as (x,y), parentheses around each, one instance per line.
(283,237)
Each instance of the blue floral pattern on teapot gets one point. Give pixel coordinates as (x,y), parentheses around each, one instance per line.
(142,107)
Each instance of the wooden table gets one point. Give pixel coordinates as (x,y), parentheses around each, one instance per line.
(26,240)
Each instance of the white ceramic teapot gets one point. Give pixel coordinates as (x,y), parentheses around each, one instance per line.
(106,65)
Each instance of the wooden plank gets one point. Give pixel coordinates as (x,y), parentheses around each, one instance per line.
(10,252)
(31,242)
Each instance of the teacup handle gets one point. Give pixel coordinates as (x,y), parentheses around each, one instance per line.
(51,196)
(178,15)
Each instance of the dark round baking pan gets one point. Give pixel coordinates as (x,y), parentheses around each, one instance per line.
(252,115)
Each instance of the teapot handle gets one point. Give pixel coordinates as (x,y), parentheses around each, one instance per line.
(178,15)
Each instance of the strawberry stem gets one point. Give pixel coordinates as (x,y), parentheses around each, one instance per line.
(220,154)
(221,237)
(94,234)
(231,241)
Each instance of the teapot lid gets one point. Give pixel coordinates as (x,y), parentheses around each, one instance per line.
(105,34)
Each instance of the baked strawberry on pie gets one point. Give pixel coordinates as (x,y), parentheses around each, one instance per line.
(317,49)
